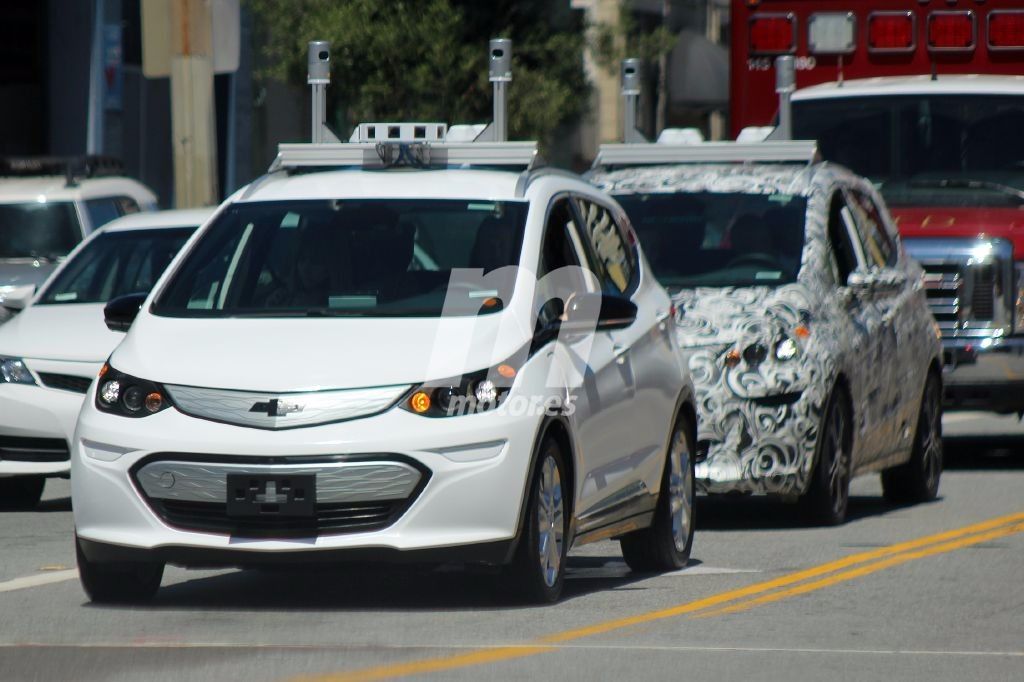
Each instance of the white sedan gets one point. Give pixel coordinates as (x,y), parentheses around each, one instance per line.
(51,350)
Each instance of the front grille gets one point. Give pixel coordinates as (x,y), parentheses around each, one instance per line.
(66,382)
(22,449)
(967,284)
(333,518)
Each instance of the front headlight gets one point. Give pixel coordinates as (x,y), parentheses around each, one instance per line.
(14,371)
(470,394)
(124,395)
(786,349)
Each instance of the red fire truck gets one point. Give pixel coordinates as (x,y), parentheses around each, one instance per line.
(926,98)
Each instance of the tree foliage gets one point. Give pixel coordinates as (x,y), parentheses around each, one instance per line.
(427,59)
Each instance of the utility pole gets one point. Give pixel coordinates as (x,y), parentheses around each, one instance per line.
(193,128)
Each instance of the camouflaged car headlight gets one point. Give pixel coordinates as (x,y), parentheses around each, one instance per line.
(125,395)
(14,371)
(786,349)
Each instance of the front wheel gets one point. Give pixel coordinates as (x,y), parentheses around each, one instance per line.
(665,545)
(21,493)
(827,497)
(118,583)
(538,569)
(918,479)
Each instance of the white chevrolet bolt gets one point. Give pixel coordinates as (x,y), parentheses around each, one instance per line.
(51,350)
(418,360)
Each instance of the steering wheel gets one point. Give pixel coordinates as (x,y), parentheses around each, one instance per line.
(751,259)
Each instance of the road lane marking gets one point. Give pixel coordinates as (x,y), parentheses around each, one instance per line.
(865,570)
(264,646)
(39,579)
(917,548)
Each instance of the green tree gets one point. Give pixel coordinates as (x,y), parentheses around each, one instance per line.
(427,59)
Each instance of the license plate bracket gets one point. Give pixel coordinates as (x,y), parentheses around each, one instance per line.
(273,495)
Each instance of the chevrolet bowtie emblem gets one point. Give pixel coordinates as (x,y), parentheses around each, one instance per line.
(277,408)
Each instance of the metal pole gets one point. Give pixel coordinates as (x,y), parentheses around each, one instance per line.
(630,99)
(94,127)
(318,76)
(785,84)
(500,73)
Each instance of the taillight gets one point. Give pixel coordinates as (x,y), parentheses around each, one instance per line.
(772,33)
(1006,30)
(949,31)
(892,31)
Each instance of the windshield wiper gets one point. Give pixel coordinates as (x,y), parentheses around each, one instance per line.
(965,183)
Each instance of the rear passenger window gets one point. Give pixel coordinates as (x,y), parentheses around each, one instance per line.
(102,211)
(615,259)
(879,249)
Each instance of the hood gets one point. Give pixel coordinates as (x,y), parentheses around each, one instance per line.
(730,315)
(305,354)
(24,271)
(1005,223)
(70,331)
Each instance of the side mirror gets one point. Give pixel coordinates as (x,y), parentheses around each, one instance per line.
(18,299)
(120,312)
(598,312)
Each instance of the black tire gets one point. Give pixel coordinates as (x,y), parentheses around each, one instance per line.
(537,572)
(21,493)
(917,480)
(828,495)
(118,583)
(665,545)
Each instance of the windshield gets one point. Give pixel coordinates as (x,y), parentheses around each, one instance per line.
(719,239)
(384,257)
(38,230)
(114,264)
(946,150)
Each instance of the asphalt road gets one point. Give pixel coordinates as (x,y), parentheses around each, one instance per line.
(932,592)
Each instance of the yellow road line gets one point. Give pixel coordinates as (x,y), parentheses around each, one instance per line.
(869,562)
(866,570)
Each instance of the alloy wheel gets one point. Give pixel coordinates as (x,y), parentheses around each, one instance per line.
(550,521)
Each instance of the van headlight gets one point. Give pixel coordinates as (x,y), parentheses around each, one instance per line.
(14,371)
(786,349)
(127,396)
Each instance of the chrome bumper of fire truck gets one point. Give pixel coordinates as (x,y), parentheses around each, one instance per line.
(984,374)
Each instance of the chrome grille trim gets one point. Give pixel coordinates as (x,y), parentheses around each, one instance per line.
(314,407)
(968,284)
(336,482)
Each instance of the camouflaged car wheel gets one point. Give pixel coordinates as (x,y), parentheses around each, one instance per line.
(826,499)
(918,479)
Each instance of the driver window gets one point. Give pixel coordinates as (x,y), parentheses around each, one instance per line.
(879,249)
(560,248)
(842,254)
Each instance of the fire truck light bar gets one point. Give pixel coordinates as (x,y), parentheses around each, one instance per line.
(890,32)
(789,151)
(1006,30)
(411,154)
(951,31)
(772,33)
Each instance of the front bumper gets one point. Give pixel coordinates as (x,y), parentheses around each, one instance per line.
(36,425)
(984,374)
(475,470)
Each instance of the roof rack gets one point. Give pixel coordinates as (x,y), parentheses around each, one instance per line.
(403,153)
(407,144)
(71,167)
(647,154)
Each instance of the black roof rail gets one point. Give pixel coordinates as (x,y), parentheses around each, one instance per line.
(72,168)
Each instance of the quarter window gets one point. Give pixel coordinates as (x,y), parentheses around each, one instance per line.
(843,257)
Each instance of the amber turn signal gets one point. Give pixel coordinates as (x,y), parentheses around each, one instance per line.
(419,402)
